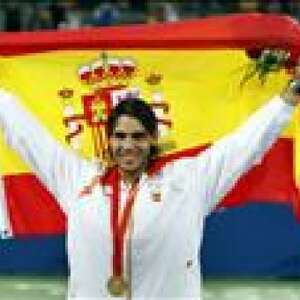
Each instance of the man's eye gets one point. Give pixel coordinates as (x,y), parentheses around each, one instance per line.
(120,135)
(139,136)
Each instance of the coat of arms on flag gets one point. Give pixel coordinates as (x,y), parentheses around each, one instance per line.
(110,80)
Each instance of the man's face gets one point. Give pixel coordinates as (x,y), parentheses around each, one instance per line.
(130,145)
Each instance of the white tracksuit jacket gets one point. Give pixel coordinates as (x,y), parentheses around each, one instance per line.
(165,236)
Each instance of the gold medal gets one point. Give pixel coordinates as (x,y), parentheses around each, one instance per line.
(117,286)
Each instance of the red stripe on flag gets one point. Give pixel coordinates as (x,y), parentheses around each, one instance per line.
(33,210)
(237,31)
(270,181)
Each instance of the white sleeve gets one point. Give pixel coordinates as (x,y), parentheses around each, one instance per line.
(57,167)
(236,153)
(212,173)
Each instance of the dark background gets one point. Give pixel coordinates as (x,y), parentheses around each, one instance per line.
(54,14)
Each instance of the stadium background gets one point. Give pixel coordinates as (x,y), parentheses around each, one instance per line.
(278,223)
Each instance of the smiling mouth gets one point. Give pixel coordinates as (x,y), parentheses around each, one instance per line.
(128,156)
(128,159)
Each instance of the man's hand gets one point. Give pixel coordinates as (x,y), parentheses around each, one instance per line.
(291,94)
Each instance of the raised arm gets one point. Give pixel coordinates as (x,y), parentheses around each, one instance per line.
(57,167)
(236,153)
(211,174)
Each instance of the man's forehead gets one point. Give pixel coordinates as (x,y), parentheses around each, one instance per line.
(130,130)
(128,123)
(121,130)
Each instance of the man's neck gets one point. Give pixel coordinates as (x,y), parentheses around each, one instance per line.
(130,177)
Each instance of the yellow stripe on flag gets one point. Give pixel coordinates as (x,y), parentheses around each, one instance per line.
(202,88)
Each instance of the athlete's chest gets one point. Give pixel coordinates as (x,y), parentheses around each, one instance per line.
(159,206)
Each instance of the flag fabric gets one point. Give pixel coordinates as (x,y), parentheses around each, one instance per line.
(200,64)
(5,225)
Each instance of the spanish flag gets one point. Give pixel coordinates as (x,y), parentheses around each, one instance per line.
(191,69)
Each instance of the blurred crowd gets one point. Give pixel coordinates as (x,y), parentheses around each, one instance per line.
(55,14)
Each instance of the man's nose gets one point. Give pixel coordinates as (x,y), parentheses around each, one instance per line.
(128,142)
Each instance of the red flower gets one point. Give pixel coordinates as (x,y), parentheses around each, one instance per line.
(254,53)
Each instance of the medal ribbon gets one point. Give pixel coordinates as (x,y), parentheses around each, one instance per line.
(120,221)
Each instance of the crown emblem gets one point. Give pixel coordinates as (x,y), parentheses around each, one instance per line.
(109,81)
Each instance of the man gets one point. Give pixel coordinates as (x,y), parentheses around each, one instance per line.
(134,230)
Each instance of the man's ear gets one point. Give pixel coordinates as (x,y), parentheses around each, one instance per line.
(154,140)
